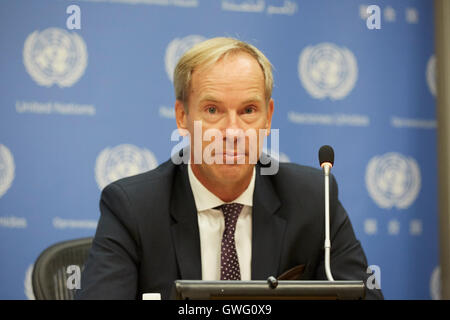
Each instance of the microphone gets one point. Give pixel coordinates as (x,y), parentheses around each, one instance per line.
(326,156)
(326,159)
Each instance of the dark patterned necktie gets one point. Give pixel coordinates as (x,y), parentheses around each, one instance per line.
(229,263)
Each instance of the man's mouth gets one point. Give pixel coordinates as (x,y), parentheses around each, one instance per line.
(232,157)
(234,153)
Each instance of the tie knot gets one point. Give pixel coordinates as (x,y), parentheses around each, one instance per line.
(231,213)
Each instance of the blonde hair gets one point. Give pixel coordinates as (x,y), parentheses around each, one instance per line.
(209,52)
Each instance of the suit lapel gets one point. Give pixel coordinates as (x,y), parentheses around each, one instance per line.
(185,233)
(267,229)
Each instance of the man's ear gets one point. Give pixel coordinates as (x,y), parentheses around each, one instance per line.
(181,117)
(270,108)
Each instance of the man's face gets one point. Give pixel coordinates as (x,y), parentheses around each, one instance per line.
(228,96)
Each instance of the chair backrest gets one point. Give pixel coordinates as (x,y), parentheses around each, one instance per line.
(50,272)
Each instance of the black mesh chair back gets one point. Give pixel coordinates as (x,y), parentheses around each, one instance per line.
(50,272)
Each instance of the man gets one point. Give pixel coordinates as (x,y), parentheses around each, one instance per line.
(218,217)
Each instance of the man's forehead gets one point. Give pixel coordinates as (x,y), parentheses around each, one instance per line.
(214,83)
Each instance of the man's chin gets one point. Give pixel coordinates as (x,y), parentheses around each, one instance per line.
(232,172)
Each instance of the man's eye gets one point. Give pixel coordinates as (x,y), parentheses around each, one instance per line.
(212,110)
(249,110)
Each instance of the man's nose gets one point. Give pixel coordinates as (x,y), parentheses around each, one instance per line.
(232,121)
(233,131)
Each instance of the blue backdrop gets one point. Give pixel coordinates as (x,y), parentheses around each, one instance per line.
(87,98)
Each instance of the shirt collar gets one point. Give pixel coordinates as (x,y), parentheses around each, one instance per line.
(205,199)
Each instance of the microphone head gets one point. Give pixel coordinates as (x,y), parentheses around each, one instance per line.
(326,154)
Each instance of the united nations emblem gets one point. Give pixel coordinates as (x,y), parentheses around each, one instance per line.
(55,56)
(326,70)
(176,48)
(122,161)
(7,169)
(431,74)
(393,180)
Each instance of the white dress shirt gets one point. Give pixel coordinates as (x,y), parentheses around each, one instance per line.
(211,225)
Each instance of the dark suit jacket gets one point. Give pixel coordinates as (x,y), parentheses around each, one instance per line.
(147,236)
